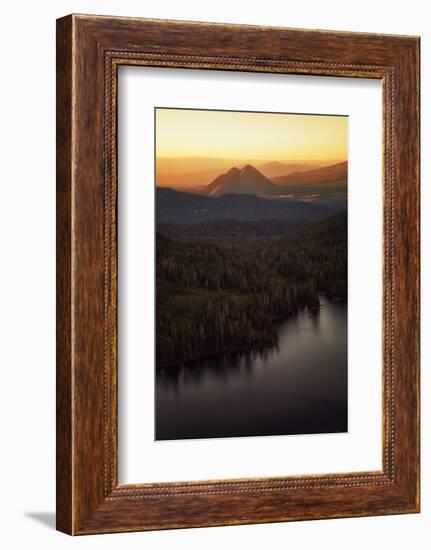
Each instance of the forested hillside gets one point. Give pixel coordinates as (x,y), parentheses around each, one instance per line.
(228,230)
(216,296)
(185,208)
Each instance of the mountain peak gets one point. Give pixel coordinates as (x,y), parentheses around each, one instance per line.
(248,180)
(249,169)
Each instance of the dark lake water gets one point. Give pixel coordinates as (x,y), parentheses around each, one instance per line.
(297,387)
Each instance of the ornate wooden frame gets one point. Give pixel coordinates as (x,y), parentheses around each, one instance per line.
(89,51)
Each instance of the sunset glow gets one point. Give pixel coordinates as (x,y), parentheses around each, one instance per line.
(192,140)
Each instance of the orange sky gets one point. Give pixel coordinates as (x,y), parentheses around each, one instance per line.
(196,140)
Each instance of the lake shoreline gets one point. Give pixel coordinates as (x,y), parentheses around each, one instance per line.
(297,387)
(275,322)
(209,355)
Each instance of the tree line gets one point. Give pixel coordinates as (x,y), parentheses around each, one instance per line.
(215,297)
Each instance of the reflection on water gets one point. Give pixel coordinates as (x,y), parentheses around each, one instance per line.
(298,386)
(218,366)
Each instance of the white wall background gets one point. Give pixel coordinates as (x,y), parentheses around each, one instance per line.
(27,287)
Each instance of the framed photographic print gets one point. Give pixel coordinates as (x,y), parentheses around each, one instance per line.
(237,274)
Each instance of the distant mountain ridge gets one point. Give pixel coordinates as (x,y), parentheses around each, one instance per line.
(247,180)
(334,175)
(275,169)
(185,208)
(228,230)
(175,172)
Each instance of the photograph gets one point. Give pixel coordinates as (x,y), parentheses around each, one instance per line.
(251,274)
